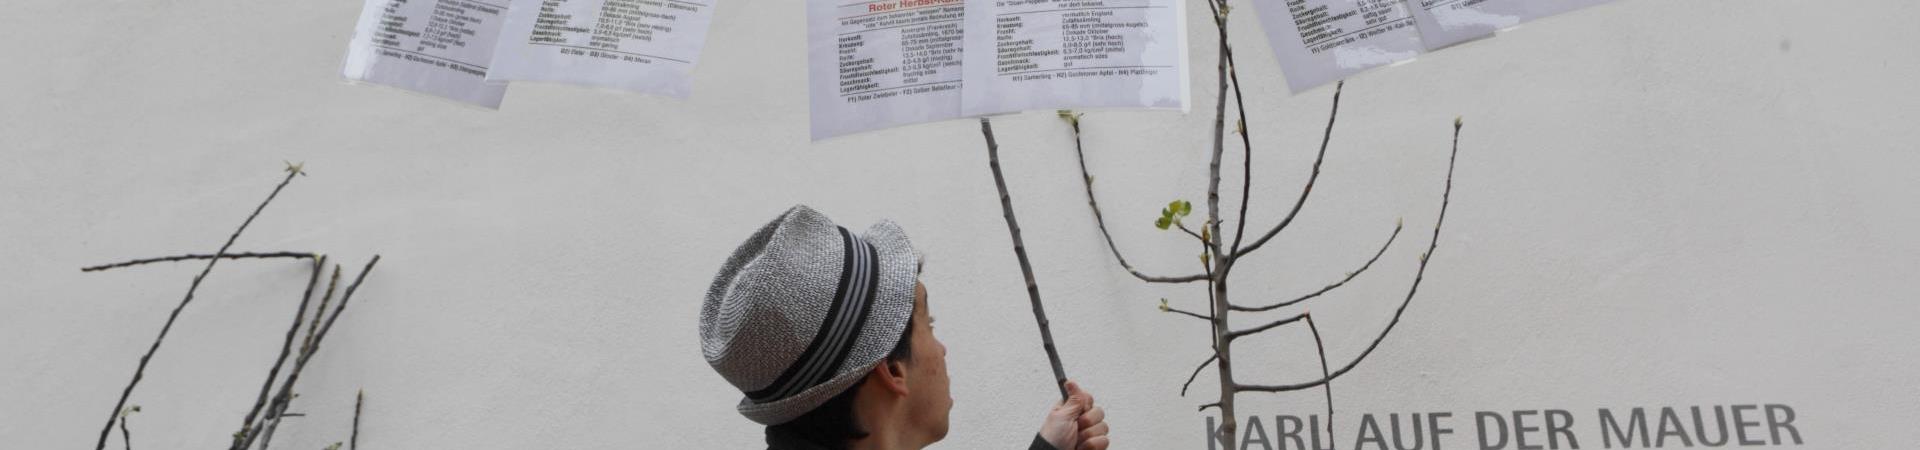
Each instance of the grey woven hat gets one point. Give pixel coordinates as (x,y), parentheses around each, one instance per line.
(805,308)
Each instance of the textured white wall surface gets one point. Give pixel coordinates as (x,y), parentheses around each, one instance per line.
(1658,203)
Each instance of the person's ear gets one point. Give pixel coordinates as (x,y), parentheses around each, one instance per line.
(890,375)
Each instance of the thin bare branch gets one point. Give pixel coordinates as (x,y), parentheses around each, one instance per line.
(245,255)
(284,397)
(1268,326)
(1246,141)
(127,436)
(1196,236)
(1220,263)
(1321,347)
(141,370)
(1100,221)
(1188,313)
(359,397)
(1214,404)
(1329,288)
(1196,372)
(286,347)
(1419,274)
(1306,191)
(1020,253)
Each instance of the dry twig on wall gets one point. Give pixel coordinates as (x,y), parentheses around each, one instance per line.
(264,416)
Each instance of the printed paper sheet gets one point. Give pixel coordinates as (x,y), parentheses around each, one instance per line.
(437,47)
(876,64)
(1055,54)
(1448,22)
(1321,41)
(636,45)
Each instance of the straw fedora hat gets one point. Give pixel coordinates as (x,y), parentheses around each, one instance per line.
(805,308)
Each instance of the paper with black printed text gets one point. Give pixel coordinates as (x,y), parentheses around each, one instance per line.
(1322,41)
(1448,22)
(1061,54)
(647,46)
(437,47)
(882,63)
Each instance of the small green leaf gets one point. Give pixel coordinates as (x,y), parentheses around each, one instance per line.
(1163,223)
(1164,307)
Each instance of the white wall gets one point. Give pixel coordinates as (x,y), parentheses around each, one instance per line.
(1658,203)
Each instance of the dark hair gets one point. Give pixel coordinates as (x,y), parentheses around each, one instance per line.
(832,425)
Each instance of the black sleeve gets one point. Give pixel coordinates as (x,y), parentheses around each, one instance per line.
(1040,444)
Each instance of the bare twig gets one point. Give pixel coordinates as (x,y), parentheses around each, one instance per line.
(1246,142)
(141,370)
(286,347)
(1329,288)
(359,397)
(1307,190)
(1268,326)
(1020,252)
(284,397)
(1188,313)
(1321,348)
(1196,372)
(1204,242)
(1101,222)
(127,436)
(1419,274)
(245,255)
(1216,285)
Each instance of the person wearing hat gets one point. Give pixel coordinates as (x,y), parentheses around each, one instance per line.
(828,335)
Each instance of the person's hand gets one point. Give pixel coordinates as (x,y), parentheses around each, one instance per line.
(1076,424)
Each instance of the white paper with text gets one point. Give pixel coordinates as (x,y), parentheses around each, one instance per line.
(645,46)
(882,63)
(437,47)
(1059,54)
(1447,22)
(1321,41)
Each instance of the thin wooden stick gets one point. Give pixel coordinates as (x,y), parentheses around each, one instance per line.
(244,255)
(284,397)
(140,371)
(286,347)
(1196,372)
(1329,288)
(359,397)
(1321,347)
(1419,274)
(1307,190)
(1020,252)
(1100,221)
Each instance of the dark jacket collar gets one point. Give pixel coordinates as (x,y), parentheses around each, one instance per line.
(778,439)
